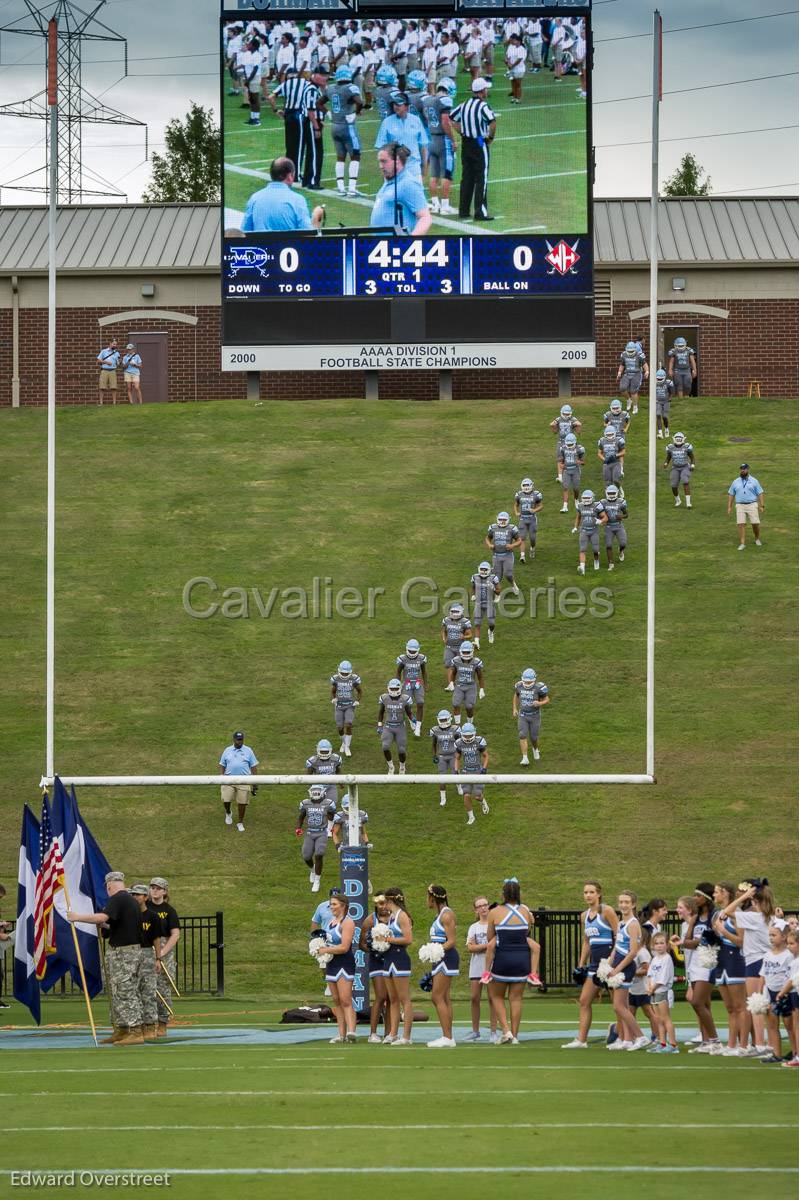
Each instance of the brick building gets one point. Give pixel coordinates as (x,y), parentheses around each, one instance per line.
(729,280)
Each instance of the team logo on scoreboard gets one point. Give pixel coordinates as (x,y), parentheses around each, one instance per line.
(248,258)
(562,258)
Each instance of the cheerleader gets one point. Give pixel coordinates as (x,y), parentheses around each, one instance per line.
(508,958)
(628,943)
(730,972)
(652,916)
(476,942)
(599,923)
(398,969)
(340,971)
(775,972)
(753,910)
(376,966)
(700,979)
(442,932)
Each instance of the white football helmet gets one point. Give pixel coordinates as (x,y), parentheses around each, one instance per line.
(412,648)
(587,497)
(394,688)
(610,433)
(484,570)
(503,519)
(612,493)
(570,441)
(466,651)
(615,407)
(527,486)
(679,439)
(566,410)
(345,668)
(529,676)
(444,718)
(323,749)
(317,792)
(468,732)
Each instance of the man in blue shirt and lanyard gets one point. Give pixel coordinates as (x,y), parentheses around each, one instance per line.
(109,361)
(401,200)
(237,759)
(405,128)
(749,504)
(277,207)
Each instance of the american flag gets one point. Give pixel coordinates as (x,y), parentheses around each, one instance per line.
(49,879)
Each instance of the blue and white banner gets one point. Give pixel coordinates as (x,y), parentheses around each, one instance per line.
(26,986)
(355,888)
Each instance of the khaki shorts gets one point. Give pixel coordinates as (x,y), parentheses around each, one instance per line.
(108,381)
(752,511)
(235,793)
(130,377)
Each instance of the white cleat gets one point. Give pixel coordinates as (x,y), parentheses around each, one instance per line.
(758,542)
(312,876)
(688,502)
(611,566)
(316,883)
(524,761)
(434,204)
(347,751)
(240,826)
(742,546)
(484,806)
(459,789)
(417,729)
(576,1044)
(476,643)
(564,508)
(559,479)
(391,768)
(660,433)
(450,687)
(677,502)
(335,1041)
(621,556)
(536,753)
(228,819)
(491,637)
(402,768)
(596,564)
(635,409)
(443,799)
(581,568)
(446,209)
(470,819)
(522,558)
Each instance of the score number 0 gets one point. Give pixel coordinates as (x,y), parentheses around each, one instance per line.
(289,261)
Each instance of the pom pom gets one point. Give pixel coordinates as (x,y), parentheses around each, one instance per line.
(757,1004)
(314,946)
(614,981)
(431,953)
(603,970)
(380,933)
(707,956)
(426,982)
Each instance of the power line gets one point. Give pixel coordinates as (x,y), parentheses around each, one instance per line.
(626,37)
(767,188)
(703,87)
(696,137)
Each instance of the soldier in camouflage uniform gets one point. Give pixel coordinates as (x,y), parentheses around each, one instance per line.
(148,980)
(165,952)
(123,958)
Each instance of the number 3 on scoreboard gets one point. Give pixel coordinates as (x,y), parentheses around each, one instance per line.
(446,285)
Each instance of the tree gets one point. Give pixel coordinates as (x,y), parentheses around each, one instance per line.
(687,179)
(190,168)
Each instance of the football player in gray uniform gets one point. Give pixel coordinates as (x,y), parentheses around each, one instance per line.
(345,695)
(611,449)
(325,762)
(633,371)
(315,813)
(346,102)
(455,628)
(394,706)
(444,735)
(615,508)
(471,761)
(412,670)
(502,539)
(341,826)
(485,589)
(435,112)
(617,416)
(681,465)
(589,517)
(564,424)
(570,469)
(466,676)
(529,697)
(527,503)
(682,366)
(664,390)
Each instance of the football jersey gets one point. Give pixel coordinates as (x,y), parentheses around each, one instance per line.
(633,361)
(679,455)
(682,358)
(395,710)
(615,511)
(527,501)
(456,630)
(528,693)
(501,537)
(572,456)
(471,753)
(317,814)
(432,108)
(342,97)
(410,669)
(565,426)
(484,589)
(589,516)
(619,421)
(345,688)
(466,670)
(382,96)
(342,819)
(444,739)
(610,448)
(415,106)
(322,766)
(664,390)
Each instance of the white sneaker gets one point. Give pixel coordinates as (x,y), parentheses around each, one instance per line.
(375,1039)
(389,1039)
(470,819)
(514,1041)
(596,564)
(228,819)
(742,546)
(715,1048)
(434,204)
(660,433)
(442,1043)
(450,687)
(758,542)
(695,1041)
(731,1052)
(491,637)
(335,1041)
(402,768)
(621,556)
(494,1038)
(619,1045)
(524,761)
(401,1041)
(472,1036)
(446,209)
(515,589)
(240,826)
(611,566)
(564,508)
(536,753)
(317,880)
(391,768)
(443,799)
(576,1044)
(506,1039)
(484,806)
(688,502)
(635,409)
(522,558)
(639,1043)
(342,749)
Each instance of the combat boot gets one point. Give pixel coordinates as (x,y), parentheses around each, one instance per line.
(161,1029)
(149,1034)
(133,1037)
(118,1033)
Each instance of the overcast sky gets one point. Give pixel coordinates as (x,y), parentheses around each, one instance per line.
(172,60)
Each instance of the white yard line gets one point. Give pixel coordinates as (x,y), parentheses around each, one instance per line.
(555,1169)
(424,1091)
(219,1128)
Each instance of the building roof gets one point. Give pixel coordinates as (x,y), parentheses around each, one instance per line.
(143,238)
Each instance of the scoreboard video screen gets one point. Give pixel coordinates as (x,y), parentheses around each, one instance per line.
(406,176)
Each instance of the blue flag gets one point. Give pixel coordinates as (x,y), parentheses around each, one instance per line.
(85,868)
(26,986)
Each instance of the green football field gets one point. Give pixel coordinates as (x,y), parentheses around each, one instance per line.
(537,174)
(296,1118)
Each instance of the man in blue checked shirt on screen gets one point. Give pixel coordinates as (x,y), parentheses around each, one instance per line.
(401,200)
(277,207)
(405,128)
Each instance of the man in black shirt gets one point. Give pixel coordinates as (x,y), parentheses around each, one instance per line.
(150,928)
(169,933)
(124,958)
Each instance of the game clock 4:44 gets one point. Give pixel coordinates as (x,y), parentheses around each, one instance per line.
(407,267)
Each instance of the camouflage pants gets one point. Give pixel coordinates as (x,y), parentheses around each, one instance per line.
(147,984)
(124,966)
(164,987)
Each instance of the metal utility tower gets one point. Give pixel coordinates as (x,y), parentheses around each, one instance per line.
(76,105)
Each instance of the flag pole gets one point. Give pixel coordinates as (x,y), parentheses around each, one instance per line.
(657,91)
(52,101)
(163,1001)
(170,980)
(80,964)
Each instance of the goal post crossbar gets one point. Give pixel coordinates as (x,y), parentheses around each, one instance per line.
(348,780)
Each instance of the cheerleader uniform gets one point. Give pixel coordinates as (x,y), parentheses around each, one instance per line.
(341,966)
(695,972)
(731,967)
(451,962)
(600,940)
(511,953)
(397,960)
(622,950)
(376,963)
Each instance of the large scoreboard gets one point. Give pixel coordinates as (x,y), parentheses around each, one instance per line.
(406,184)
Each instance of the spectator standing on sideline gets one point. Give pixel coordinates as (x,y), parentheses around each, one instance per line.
(108,358)
(749,504)
(237,759)
(131,368)
(6,940)
(277,207)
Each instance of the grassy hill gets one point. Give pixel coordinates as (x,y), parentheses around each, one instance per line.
(372,495)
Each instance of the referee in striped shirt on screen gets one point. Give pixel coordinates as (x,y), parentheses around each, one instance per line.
(294,93)
(316,111)
(476,124)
